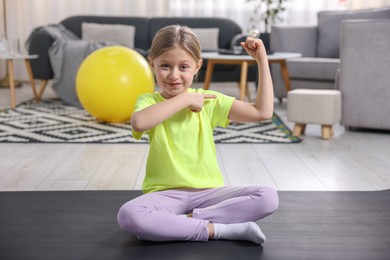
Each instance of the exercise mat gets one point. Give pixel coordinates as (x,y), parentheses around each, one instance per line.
(82,225)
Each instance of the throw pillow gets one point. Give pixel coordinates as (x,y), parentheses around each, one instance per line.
(118,33)
(208,38)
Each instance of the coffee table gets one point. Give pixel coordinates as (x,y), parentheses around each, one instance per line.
(9,58)
(214,58)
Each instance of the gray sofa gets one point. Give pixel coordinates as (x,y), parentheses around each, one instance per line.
(364,78)
(319,46)
(145,29)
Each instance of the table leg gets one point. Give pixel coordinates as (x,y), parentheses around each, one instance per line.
(30,75)
(286,79)
(243,79)
(248,93)
(326,131)
(209,74)
(10,64)
(42,88)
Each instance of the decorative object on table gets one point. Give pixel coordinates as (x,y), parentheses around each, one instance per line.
(3,44)
(236,48)
(52,121)
(5,49)
(10,58)
(265,14)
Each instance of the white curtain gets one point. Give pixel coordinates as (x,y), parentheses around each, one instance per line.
(305,11)
(25,15)
(363,4)
(236,10)
(22,16)
(297,11)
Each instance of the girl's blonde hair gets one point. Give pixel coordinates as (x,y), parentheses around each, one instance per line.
(172,36)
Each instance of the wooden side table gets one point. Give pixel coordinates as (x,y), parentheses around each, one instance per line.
(245,61)
(9,58)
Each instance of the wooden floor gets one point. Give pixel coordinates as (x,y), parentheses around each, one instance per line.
(352,160)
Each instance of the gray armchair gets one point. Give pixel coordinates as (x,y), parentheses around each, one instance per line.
(319,45)
(364,76)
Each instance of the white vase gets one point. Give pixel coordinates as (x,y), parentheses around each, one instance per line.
(3,44)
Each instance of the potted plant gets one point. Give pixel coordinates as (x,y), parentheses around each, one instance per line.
(265,13)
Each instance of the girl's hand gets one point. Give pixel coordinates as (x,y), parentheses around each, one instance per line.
(197,100)
(255,48)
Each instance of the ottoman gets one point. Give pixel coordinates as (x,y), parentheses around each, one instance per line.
(314,106)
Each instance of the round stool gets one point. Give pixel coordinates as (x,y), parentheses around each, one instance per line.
(314,106)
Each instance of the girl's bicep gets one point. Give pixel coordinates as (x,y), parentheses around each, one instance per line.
(242,111)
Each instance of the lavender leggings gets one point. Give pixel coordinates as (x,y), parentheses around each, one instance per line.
(156,216)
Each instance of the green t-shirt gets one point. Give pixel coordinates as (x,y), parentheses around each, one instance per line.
(182,150)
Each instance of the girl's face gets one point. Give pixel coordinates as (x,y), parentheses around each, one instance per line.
(175,70)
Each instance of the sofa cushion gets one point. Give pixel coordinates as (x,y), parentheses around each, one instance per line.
(73,23)
(117,33)
(208,38)
(329,28)
(294,38)
(313,68)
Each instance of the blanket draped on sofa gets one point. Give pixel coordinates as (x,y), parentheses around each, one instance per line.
(66,55)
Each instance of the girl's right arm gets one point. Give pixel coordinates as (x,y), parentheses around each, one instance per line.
(155,114)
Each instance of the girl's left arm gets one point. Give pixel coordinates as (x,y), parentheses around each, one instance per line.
(263,107)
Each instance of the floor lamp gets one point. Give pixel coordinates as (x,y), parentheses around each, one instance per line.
(4,82)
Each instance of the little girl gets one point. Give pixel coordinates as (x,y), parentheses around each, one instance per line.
(184,193)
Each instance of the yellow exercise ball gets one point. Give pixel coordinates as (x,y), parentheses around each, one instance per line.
(109,81)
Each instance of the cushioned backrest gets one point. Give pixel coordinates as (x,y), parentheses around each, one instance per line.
(141,34)
(364,73)
(227,28)
(302,39)
(329,28)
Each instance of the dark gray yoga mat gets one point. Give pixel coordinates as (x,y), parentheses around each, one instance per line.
(82,225)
